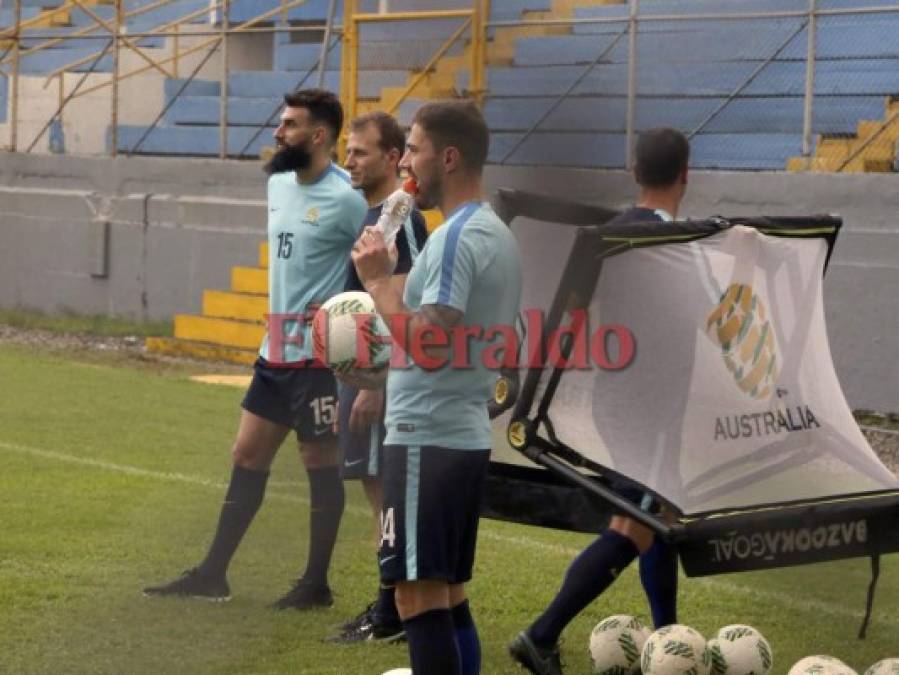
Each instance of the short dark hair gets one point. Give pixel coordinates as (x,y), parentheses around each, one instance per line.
(323,107)
(458,124)
(661,157)
(391,133)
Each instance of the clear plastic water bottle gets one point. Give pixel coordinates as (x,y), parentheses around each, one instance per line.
(395,211)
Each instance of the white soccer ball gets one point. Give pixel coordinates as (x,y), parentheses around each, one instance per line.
(399,671)
(352,339)
(740,650)
(616,643)
(820,665)
(675,650)
(885,667)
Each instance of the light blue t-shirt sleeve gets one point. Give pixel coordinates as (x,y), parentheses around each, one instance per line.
(451,270)
(354,209)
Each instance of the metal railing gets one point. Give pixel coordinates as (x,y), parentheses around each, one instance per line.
(620,41)
(190,38)
(473,25)
(115,37)
(637,23)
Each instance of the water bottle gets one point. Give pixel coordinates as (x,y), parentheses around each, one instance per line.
(395,211)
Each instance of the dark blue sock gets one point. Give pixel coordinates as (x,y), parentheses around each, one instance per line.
(326,501)
(658,573)
(467,637)
(385,605)
(242,501)
(590,574)
(432,643)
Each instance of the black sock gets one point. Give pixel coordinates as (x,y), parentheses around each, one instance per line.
(467,639)
(590,574)
(326,500)
(658,574)
(433,649)
(385,606)
(241,503)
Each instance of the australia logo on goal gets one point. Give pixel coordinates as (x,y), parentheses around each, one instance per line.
(739,325)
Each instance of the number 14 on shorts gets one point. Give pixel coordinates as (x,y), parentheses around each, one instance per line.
(388,528)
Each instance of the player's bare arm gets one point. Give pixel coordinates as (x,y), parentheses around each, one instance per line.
(370,256)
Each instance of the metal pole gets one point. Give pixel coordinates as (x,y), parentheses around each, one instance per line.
(223,82)
(808,111)
(326,40)
(14,115)
(114,123)
(175,48)
(480,11)
(348,63)
(631,85)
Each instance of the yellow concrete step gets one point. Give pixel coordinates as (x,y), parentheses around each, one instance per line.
(200,350)
(799,164)
(225,332)
(879,165)
(263,254)
(241,306)
(505,37)
(249,280)
(843,148)
(887,131)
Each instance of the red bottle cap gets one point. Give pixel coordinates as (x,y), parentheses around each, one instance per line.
(411,186)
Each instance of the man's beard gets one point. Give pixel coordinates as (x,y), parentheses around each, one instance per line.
(289,158)
(429,196)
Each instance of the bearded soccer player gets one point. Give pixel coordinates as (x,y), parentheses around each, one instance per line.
(375,146)
(660,170)
(466,281)
(314,217)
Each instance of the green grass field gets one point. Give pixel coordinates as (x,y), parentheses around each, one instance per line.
(113,472)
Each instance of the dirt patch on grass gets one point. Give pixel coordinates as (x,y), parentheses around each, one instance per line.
(129,350)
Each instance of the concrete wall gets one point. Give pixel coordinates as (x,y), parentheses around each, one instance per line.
(176,227)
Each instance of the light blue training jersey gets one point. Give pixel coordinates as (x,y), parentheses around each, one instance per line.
(470,263)
(311,230)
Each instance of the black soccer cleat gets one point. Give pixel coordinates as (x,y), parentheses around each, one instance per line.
(364,616)
(305,595)
(538,660)
(193,584)
(370,629)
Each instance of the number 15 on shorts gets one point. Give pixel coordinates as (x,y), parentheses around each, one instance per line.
(388,528)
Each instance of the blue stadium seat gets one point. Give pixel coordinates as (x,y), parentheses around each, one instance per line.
(708,151)
(311,10)
(187,140)
(835,114)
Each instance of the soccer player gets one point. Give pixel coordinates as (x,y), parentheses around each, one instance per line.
(314,216)
(660,170)
(375,146)
(466,280)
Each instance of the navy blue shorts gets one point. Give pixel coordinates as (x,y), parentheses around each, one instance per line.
(362,453)
(636,496)
(302,398)
(429,517)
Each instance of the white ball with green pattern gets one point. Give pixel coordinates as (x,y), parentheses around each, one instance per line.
(676,650)
(820,664)
(739,649)
(616,643)
(352,339)
(885,667)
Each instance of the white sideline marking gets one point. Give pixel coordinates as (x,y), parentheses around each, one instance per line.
(790,602)
(168,476)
